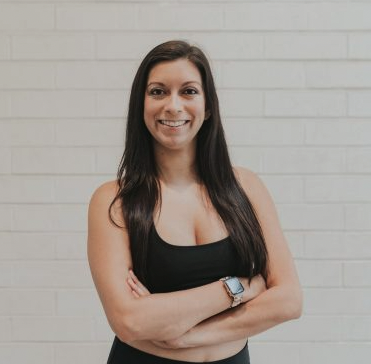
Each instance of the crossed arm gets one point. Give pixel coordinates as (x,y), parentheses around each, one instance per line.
(199,316)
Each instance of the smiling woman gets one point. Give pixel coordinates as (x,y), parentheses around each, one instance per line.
(186,251)
(174,104)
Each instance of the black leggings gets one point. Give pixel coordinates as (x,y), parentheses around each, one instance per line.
(122,353)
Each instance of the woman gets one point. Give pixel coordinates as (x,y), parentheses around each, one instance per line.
(211,265)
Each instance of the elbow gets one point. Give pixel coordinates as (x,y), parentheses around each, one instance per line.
(294,306)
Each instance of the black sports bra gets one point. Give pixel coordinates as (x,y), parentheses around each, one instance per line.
(174,267)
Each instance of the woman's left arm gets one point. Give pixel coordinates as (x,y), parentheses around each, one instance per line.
(282,301)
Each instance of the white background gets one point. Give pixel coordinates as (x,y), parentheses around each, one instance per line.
(294,81)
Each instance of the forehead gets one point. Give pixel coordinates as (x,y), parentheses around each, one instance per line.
(178,71)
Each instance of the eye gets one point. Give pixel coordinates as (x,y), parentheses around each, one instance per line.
(156,91)
(190,91)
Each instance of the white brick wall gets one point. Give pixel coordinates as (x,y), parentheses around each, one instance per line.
(294,82)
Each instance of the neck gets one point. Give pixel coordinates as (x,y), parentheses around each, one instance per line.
(176,167)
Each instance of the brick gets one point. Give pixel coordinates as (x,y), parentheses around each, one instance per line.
(304,160)
(5,274)
(358,160)
(52,274)
(4,104)
(357,328)
(29,303)
(236,45)
(338,188)
(4,47)
(53,160)
(305,46)
(357,274)
(317,328)
(247,157)
(26,17)
(95,353)
(174,17)
(339,132)
(108,160)
(5,134)
(338,75)
(129,46)
(5,218)
(305,103)
(32,133)
(335,16)
(263,132)
(112,103)
(5,161)
(359,103)
(76,189)
(314,273)
(44,104)
(53,47)
(285,189)
(55,218)
(26,189)
(78,303)
(337,301)
(307,353)
(359,45)
(26,75)
(26,353)
(94,75)
(358,217)
(52,329)
(241,103)
(71,246)
(104,16)
(337,245)
(90,133)
(265,16)
(304,216)
(103,331)
(263,74)
(5,329)
(26,246)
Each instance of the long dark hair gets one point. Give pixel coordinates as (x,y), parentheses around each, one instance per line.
(139,190)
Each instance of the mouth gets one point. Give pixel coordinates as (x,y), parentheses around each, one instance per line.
(173,123)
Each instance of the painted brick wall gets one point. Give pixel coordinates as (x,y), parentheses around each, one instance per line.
(294,80)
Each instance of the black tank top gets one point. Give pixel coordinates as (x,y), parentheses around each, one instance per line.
(174,268)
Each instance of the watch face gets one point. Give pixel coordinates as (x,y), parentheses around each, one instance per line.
(234,285)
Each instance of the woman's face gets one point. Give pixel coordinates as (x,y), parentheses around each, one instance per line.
(174,104)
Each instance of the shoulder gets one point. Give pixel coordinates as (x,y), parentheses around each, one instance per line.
(251,183)
(102,198)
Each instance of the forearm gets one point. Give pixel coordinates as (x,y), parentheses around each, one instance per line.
(271,308)
(164,316)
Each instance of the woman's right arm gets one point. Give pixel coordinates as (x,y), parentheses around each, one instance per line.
(161,316)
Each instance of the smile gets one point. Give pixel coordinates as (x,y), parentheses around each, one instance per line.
(173,123)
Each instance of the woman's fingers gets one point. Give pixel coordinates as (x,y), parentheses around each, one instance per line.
(138,283)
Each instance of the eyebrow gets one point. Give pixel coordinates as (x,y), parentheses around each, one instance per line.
(162,84)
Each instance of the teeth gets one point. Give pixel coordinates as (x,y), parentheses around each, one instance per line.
(173,123)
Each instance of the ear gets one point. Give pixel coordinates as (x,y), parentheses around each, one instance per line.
(207,114)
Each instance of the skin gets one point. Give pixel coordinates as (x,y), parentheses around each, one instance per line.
(195,324)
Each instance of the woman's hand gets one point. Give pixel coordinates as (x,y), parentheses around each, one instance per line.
(256,287)
(137,288)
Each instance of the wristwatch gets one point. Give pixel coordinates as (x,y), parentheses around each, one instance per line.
(234,288)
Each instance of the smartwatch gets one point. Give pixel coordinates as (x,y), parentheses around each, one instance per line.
(234,288)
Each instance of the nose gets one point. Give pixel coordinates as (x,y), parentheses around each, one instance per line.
(173,104)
